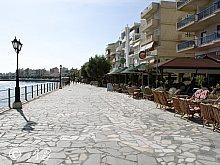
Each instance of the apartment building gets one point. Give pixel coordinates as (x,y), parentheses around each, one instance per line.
(202,19)
(134,44)
(158,32)
(124,52)
(113,51)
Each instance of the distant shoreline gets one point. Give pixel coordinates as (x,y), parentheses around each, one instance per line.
(46,80)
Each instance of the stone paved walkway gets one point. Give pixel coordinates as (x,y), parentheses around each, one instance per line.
(82,124)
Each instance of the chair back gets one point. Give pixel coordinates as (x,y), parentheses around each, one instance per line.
(176,105)
(206,111)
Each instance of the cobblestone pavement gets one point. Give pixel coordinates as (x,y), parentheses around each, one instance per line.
(82,124)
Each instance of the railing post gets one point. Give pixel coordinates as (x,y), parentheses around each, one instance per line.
(44,88)
(32,91)
(41,88)
(47,87)
(9,98)
(52,86)
(25,93)
(37,89)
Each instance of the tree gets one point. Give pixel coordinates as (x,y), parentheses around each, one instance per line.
(83,71)
(97,67)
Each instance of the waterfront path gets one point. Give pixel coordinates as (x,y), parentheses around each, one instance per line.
(82,124)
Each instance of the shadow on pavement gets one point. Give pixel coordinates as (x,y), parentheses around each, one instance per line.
(29,125)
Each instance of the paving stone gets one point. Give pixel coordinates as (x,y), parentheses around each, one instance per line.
(93,159)
(5,161)
(53,161)
(82,124)
(142,159)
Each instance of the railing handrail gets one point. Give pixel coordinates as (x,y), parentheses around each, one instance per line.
(209,10)
(181,3)
(186,20)
(31,91)
(199,41)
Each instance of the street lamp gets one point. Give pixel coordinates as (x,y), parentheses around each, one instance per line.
(60,77)
(17,103)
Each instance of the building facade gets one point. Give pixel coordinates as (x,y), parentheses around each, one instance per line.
(202,20)
(158,32)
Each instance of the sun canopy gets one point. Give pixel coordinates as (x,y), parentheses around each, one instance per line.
(129,70)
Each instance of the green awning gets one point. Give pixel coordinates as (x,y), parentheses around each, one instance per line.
(141,67)
(129,70)
(113,71)
(117,70)
(121,70)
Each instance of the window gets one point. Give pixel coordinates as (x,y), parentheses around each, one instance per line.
(156,32)
(203,37)
(218,31)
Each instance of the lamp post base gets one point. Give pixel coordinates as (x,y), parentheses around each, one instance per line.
(17,105)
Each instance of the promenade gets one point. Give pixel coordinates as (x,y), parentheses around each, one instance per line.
(83,124)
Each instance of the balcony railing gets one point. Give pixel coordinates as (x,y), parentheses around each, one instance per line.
(209,11)
(186,21)
(186,45)
(210,38)
(181,3)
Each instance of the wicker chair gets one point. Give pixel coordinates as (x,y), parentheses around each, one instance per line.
(157,99)
(187,109)
(130,91)
(148,94)
(207,114)
(176,105)
(164,99)
(124,88)
(216,112)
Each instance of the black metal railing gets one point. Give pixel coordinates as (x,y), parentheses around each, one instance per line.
(186,45)
(181,3)
(209,11)
(28,93)
(186,21)
(209,38)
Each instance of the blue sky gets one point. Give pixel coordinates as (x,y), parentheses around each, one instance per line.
(66,32)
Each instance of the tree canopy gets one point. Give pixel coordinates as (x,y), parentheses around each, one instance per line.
(95,68)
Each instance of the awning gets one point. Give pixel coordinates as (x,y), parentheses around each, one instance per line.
(147,47)
(136,44)
(120,70)
(141,67)
(129,70)
(117,70)
(190,63)
(113,71)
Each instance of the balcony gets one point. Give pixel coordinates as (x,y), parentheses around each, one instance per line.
(119,48)
(203,19)
(149,39)
(149,25)
(187,45)
(211,40)
(134,37)
(148,11)
(190,5)
(209,11)
(186,22)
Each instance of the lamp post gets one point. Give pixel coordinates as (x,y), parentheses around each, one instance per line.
(17,103)
(60,77)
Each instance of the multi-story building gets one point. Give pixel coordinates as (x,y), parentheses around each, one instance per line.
(202,19)
(113,53)
(54,71)
(124,52)
(134,44)
(158,32)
